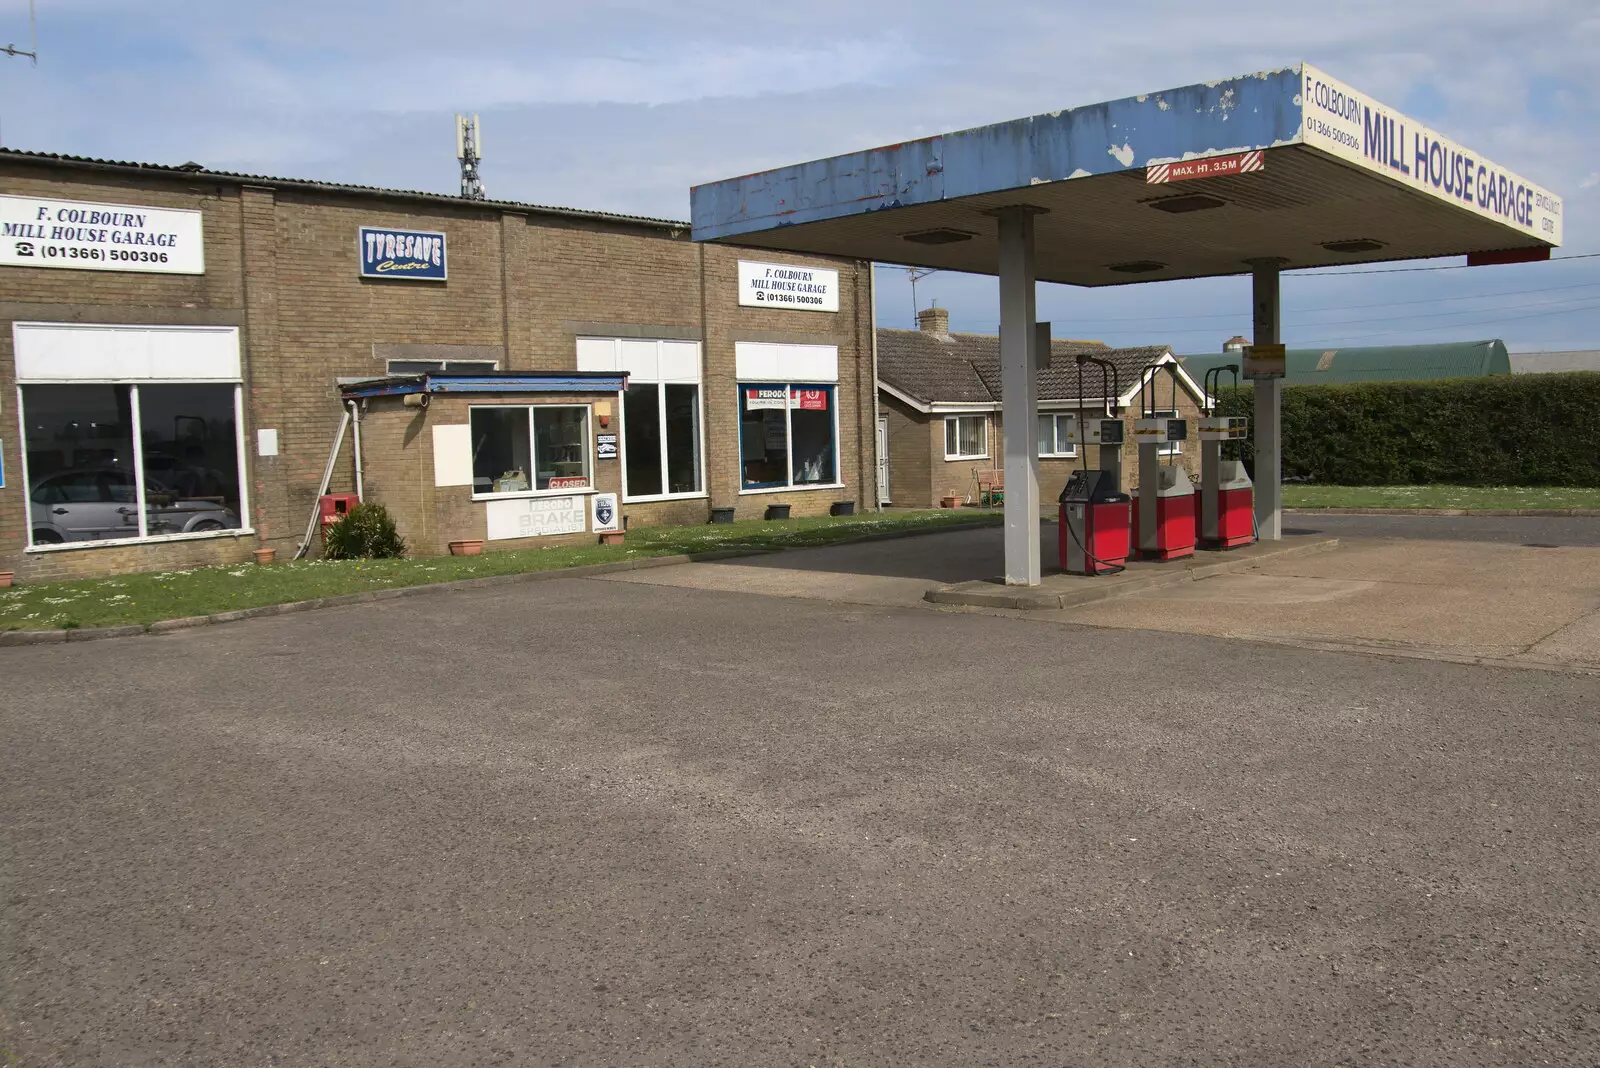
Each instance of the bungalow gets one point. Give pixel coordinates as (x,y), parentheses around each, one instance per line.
(939,428)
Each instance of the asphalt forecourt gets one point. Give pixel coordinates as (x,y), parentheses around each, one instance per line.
(657,826)
(127,604)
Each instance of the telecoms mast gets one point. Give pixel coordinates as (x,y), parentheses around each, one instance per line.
(469,150)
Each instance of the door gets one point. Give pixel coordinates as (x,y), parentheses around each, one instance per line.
(883,460)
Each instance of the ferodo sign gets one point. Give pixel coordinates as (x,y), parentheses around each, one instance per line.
(787,285)
(87,236)
(414,254)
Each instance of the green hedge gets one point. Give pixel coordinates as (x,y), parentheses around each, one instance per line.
(1503,430)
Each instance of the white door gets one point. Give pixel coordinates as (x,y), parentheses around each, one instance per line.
(883,460)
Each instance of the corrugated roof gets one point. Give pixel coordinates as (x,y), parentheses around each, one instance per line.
(965,368)
(1383,363)
(194,170)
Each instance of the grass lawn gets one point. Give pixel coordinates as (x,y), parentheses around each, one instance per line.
(1304,496)
(147,598)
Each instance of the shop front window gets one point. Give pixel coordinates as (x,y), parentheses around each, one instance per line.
(527,449)
(788,436)
(86,483)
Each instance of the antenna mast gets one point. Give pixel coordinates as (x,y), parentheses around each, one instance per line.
(33,39)
(469,146)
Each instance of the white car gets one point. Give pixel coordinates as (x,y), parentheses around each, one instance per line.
(101,504)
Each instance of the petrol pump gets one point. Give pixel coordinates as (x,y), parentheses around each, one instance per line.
(1227,497)
(1095,520)
(1163,511)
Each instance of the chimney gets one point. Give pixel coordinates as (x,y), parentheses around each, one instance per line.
(934,320)
(1236,343)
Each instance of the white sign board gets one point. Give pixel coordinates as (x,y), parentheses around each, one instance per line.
(607,514)
(89,236)
(1354,127)
(788,285)
(532,517)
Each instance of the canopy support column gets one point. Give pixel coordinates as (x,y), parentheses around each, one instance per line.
(1267,430)
(1019,389)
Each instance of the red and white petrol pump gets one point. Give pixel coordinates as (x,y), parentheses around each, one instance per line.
(1095,519)
(1227,497)
(1163,511)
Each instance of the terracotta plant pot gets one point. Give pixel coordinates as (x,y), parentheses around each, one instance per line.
(264,556)
(467,547)
(950,502)
(611,537)
(7,578)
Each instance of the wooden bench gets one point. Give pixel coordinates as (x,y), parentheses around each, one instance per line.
(991,488)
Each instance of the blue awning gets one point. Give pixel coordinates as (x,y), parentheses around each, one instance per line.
(509,382)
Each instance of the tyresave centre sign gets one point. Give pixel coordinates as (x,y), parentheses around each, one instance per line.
(414,254)
(783,285)
(1355,127)
(87,236)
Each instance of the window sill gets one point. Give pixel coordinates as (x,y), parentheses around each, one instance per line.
(1058,456)
(657,497)
(519,495)
(791,489)
(154,539)
(975,456)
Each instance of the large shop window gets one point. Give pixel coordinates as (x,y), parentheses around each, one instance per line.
(661,413)
(521,450)
(965,437)
(787,436)
(87,482)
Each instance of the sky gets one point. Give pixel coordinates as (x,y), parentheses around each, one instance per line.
(622,106)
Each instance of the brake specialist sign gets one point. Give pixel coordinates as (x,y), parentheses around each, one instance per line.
(791,286)
(89,236)
(414,254)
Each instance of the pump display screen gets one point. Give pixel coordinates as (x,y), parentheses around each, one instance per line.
(1177,430)
(1111,432)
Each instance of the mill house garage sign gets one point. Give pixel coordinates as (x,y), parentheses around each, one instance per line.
(88,236)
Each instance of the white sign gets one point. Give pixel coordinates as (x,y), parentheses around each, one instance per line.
(89,236)
(532,517)
(787,285)
(607,516)
(266,443)
(1354,127)
(757,398)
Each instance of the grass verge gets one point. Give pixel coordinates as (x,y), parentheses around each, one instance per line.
(147,598)
(1305,496)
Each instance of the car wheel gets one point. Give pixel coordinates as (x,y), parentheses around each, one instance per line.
(46,537)
(206,524)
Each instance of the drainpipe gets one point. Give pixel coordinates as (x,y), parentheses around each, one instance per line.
(872,326)
(355,442)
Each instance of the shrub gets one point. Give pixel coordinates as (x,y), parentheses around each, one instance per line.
(1502,430)
(365,532)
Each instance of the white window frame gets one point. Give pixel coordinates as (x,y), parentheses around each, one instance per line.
(588,360)
(1168,448)
(144,537)
(1072,449)
(955,420)
(533,454)
(788,431)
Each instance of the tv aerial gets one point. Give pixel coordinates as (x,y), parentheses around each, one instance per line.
(33,40)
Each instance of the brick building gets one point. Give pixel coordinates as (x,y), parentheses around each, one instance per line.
(939,424)
(181,347)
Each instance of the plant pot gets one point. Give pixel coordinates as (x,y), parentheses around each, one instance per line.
(777,511)
(7,578)
(951,501)
(611,537)
(467,547)
(722,515)
(843,508)
(264,556)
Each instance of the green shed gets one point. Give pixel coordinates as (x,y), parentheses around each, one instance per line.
(1384,363)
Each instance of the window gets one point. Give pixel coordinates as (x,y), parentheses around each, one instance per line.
(422,367)
(787,436)
(1054,430)
(529,449)
(1169,448)
(965,437)
(87,481)
(661,421)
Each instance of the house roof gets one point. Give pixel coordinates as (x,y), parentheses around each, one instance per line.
(954,369)
(192,171)
(1547,362)
(1387,363)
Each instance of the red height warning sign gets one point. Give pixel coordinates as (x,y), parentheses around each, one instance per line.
(1214,167)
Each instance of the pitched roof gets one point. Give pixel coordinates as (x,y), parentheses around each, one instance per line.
(193,171)
(965,368)
(1379,363)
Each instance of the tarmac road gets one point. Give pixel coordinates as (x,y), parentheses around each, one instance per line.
(602,823)
(1515,530)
